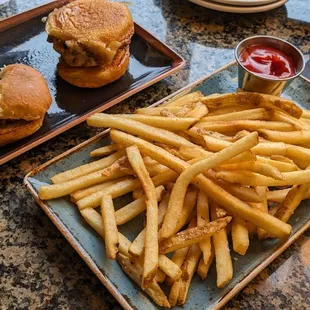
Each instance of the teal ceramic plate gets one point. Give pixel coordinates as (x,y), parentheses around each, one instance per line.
(202,294)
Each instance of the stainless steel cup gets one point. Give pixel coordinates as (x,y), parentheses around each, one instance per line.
(252,82)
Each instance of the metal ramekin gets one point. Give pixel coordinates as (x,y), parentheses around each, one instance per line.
(252,82)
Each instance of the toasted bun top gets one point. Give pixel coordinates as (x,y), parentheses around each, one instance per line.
(24,93)
(91,20)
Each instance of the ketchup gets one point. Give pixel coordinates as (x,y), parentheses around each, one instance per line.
(267,62)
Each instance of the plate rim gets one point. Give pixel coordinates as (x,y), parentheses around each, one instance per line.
(238,9)
(178,62)
(246,3)
(92,265)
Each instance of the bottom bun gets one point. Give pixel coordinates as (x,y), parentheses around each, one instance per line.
(93,77)
(13,130)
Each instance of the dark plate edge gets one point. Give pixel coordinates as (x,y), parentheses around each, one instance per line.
(178,64)
(232,293)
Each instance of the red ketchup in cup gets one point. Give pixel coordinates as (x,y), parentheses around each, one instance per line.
(267,62)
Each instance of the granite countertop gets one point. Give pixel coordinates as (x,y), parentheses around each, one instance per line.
(38,267)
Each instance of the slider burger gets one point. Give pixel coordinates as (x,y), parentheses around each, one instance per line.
(92,37)
(24,100)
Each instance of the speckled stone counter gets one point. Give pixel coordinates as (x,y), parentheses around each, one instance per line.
(39,269)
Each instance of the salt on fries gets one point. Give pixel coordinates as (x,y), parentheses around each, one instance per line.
(198,161)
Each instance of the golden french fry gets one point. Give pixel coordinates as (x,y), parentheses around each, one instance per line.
(228,109)
(281,166)
(171,269)
(115,190)
(283,159)
(292,200)
(157,110)
(298,152)
(105,150)
(120,165)
(253,99)
(151,230)
(160,276)
(251,125)
(255,179)
(109,226)
(174,293)
(291,137)
(261,168)
(203,218)
(252,114)
(279,195)
(180,101)
(170,123)
(199,111)
(263,206)
(128,212)
(305,114)
(178,258)
(137,246)
(189,267)
(87,168)
(93,218)
(240,235)
(135,271)
(232,204)
(283,117)
(185,178)
(62,189)
(203,268)
(191,236)
(224,268)
(134,127)
(81,193)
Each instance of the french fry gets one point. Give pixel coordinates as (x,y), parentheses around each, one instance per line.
(178,258)
(292,200)
(232,204)
(255,100)
(151,230)
(297,123)
(137,246)
(292,137)
(105,150)
(133,127)
(171,123)
(160,276)
(203,268)
(135,271)
(87,168)
(228,109)
(191,236)
(279,195)
(255,179)
(109,226)
(93,218)
(305,114)
(179,189)
(264,169)
(115,190)
(130,211)
(253,114)
(224,268)
(283,159)
(203,218)
(240,235)
(180,101)
(171,269)
(189,267)
(81,193)
(199,111)
(281,166)
(157,110)
(251,125)
(299,152)
(62,189)
(262,192)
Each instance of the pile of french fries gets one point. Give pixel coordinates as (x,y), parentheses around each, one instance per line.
(205,169)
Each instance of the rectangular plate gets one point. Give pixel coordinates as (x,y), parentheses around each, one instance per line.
(23,40)
(202,294)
